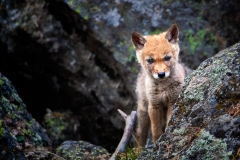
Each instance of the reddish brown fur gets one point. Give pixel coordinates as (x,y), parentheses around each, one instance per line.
(156,96)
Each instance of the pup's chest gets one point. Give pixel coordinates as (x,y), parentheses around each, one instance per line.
(163,93)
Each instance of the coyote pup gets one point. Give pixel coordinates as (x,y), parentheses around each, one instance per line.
(159,82)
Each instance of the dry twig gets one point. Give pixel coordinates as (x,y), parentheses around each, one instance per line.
(128,130)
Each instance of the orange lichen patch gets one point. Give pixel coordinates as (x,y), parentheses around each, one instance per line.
(168,148)
(194,133)
(234,110)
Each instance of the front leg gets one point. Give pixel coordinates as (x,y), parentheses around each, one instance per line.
(158,121)
(142,127)
(169,112)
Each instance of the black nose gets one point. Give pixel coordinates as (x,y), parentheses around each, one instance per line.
(161,74)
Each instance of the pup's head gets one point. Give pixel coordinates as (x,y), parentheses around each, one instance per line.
(157,54)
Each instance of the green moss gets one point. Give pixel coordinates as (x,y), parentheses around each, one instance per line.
(196,40)
(85,17)
(29,123)
(78,10)
(15,109)
(131,50)
(1,129)
(20,138)
(219,106)
(157,31)
(207,147)
(56,124)
(130,154)
(95,8)
(1,82)
(27,132)
(182,108)
(70,2)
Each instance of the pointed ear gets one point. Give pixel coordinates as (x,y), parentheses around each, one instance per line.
(172,34)
(138,40)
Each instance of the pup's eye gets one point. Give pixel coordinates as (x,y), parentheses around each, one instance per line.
(150,60)
(167,58)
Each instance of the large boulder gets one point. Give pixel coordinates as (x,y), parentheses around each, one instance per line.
(19,132)
(22,137)
(205,123)
(80,150)
(55,62)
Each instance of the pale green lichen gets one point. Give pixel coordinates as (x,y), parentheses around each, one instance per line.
(204,77)
(180,131)
(181,143)
(37,139)
(207,147)
(81,150)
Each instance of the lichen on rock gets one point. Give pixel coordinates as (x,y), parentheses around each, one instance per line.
(80,150)
(18,130)
(206,147)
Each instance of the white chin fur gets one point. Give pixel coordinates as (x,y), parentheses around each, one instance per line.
(167,74)
(155,75)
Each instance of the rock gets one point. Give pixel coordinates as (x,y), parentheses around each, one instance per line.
(205,123)
(73,150)
(205,26)
(61,126)
(53,58)
(19,132)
